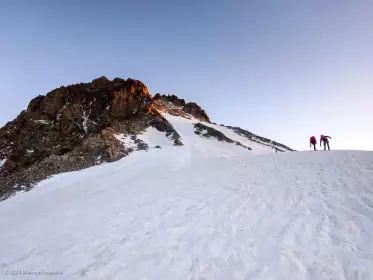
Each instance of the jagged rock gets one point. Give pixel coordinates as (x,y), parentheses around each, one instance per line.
(74,127)
(190,108)
(262,140)
(161,124)
(196,111)
(113,149)
(69,119)
(209,132)
(102,82)
(34,104)
(65,116)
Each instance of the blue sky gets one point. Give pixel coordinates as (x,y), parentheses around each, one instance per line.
(282,69)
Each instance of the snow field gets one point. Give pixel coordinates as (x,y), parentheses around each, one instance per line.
(206,210)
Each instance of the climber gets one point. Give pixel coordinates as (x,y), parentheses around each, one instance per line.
(313,142)
(325,139)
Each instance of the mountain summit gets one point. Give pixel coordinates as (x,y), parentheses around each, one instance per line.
(82,125)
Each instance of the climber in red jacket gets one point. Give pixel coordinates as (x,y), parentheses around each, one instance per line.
(313,142)
(325,139)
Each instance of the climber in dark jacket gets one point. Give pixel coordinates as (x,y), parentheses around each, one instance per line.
(325,139)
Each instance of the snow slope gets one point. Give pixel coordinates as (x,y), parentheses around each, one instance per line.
(206,210)
(154,138)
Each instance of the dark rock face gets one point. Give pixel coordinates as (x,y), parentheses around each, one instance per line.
(94,149)
(195,110)
(161,124)
(173,99)
(190,108)
(58,122)
(71,128)
(76,127)
(209,132)
(262,140)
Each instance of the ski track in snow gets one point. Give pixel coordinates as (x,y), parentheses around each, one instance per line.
(207,210)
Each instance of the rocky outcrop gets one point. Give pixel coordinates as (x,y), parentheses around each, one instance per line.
(161,124)
(94,149)
(61,120)
(259,139)
(75,127)
(196,111)
(182,107)
(209,132)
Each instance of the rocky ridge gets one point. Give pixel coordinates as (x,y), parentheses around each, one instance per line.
(75,127)
(259,139)
(86,124)
(209,132)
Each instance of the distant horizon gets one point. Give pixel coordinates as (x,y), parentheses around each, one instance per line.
(284,71)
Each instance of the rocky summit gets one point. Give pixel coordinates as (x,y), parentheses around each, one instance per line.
(82,125)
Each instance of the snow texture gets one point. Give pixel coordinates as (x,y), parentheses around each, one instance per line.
(42,121)
(154,138)
(2,162)
(205,210)
(127,141)
(85,120)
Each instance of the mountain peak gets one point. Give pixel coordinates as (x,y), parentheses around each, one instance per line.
(77,126)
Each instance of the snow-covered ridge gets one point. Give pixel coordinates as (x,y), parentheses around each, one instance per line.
(256,143)
(260,139)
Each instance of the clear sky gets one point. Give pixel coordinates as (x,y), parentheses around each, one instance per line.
(285,70)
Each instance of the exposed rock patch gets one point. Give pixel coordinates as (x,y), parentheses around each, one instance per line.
(209,132)
(58,122)
(161,124)
(258,139)
(94,149)
(182,107)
